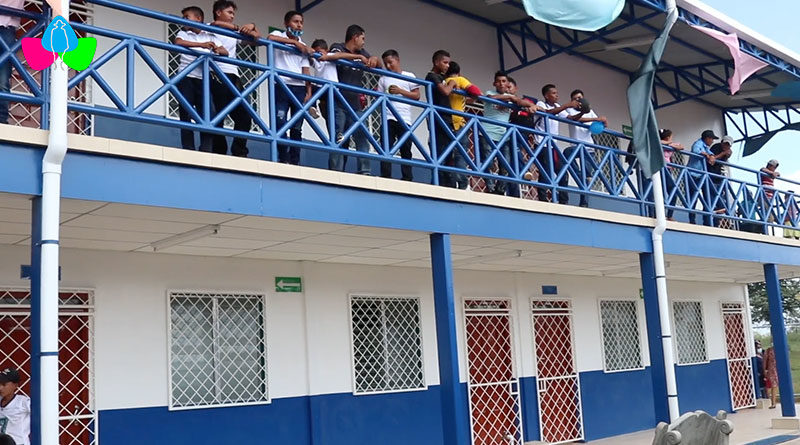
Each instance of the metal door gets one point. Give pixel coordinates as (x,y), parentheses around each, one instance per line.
(77,417)
(740,372)
(494,402)
(559,394)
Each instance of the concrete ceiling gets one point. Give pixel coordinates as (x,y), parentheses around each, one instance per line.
(131,228)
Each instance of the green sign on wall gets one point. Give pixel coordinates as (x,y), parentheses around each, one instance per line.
(288,284)
(627,130)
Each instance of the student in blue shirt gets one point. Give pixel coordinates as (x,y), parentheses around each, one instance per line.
(702,149)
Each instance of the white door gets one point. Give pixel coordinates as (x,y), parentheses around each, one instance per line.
(740,370)
(494,401)
(559,392)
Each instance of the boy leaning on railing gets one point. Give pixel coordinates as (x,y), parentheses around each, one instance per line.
(191,86)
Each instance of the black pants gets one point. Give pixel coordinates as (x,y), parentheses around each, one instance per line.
(396,131)
(544,160)
(222,96)
(192,90)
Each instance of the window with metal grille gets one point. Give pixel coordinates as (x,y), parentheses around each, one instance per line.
(690,336)
(217,349)
(244,52)
(620,327)
(387,344)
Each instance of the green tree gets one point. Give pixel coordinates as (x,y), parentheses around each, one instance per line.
(759,305)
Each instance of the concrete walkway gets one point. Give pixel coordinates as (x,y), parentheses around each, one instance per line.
(749,425)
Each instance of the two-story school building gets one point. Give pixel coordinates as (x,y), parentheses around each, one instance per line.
(208,299)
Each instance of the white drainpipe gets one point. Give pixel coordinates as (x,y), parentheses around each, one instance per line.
(51,195)
(663,298)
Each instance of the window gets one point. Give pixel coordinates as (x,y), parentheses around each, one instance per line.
(387,344)
(217,349)
(690,336)
(248,53)
(620,328)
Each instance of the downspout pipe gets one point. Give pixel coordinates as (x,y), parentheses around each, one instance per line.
(663,297)
(51,196)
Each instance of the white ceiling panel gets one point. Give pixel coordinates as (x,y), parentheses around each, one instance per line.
(131,224)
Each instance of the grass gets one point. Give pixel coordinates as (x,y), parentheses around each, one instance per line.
(794,354)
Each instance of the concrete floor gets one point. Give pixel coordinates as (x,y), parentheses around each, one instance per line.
(749,425)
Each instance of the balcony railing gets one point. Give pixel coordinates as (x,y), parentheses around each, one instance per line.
(534,162)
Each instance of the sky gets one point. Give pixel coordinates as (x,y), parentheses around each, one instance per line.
(765,17)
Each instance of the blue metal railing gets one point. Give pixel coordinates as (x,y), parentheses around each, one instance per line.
(588,170)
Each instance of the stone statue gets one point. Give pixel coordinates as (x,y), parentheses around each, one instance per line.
(697,428)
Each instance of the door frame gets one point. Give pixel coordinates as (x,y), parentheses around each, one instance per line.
(571,315)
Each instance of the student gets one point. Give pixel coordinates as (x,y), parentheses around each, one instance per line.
(701,149)
(550,105)
(224,14)
(354,40)
(325,68)
(441,98)
(767,178)
(8,34)
(458,102)
(191,86)
(15,408)
(669,148)
(496,132)
(299,89)
(722,152)
(404,88)
(582,134)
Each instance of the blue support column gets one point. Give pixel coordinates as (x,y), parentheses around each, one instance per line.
(455,415)
(779,341)
(36,276)
(659,378)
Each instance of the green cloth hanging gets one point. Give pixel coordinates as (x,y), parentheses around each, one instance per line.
(646,140)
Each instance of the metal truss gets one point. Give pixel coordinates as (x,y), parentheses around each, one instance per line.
(756,120)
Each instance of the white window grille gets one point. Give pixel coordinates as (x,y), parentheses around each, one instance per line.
(690,336)
(621,339)
(217,349)
(248,53)
(387,344)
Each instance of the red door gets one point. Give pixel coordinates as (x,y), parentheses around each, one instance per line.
(560,418)
(77,418)
(495,411)
(740,372)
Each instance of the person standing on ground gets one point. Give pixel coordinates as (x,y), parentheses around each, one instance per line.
(15,408)
(771,375)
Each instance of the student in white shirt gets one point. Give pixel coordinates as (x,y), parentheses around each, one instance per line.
(300,89)
(550,105)
(325,68)
(582,134)
(8,34)
(15,408)
(404,88)
(224,15)
(191,86)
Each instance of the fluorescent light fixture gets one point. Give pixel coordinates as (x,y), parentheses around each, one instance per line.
(486,258)
(754,94)
(185,237)
(629,43)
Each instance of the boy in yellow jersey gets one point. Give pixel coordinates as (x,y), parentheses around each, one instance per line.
(458,101)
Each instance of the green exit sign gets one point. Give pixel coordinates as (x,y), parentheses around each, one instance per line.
(288,284)
(627,130)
